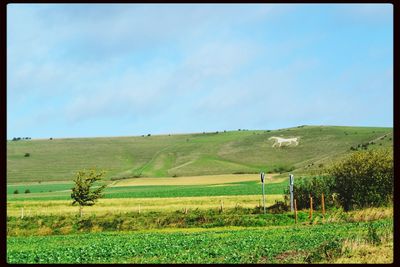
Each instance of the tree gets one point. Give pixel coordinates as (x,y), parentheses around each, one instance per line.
(82,193)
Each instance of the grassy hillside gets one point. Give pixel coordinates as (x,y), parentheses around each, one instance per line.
(188,154)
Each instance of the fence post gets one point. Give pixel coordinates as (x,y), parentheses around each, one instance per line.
(22,212)
(139,208)
(291,182)
(263,191)
(295,211)
(311,208)
(222,206)
(323,205)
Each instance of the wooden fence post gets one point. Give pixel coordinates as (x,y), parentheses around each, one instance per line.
(295,211)
(311,208)
(222,206)
(139,208)
(323,205)
(22,212)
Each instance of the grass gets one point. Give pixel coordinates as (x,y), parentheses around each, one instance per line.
(284,244)
(185,155)
(122,205)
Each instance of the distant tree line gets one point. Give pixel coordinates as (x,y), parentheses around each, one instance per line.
(21,138)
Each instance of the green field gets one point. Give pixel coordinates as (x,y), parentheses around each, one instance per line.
(306,243)
(242,188)
(186,154)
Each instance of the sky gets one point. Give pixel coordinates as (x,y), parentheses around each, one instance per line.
(90,70)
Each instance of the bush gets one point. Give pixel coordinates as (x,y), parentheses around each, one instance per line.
(303,188)
(364,178)
(282,169)
(16,191)
(27,191)
(27,155)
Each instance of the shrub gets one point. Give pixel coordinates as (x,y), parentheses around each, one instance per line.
(27,191)
(364,178)
(303,188)
(282,169)
(16,191)
(27,155)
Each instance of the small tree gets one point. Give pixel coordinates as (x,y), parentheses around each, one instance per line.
(82,193)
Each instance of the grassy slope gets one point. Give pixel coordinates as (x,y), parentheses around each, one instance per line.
(182,155)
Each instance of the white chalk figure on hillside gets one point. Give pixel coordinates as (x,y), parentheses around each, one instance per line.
(279,141)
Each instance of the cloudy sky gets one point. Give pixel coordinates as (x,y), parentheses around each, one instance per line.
(121,70)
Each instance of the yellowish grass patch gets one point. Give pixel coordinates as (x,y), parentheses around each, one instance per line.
(367,253)
(117,205)
(196,180)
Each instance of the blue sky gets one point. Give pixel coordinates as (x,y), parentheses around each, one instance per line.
(128,69)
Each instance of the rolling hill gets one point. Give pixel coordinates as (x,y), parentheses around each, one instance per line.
(229,152)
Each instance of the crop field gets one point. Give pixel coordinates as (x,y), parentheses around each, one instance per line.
(303,243)
(186,154)
(209,185)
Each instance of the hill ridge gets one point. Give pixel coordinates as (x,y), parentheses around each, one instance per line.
(245,151)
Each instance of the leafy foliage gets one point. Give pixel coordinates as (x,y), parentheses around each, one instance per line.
(364,178)
(303,188)
(316,243)
(83,193)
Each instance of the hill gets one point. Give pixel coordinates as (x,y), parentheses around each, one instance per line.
(227,152)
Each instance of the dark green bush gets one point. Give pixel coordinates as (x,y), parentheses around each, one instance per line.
(303,188)
(364,178)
